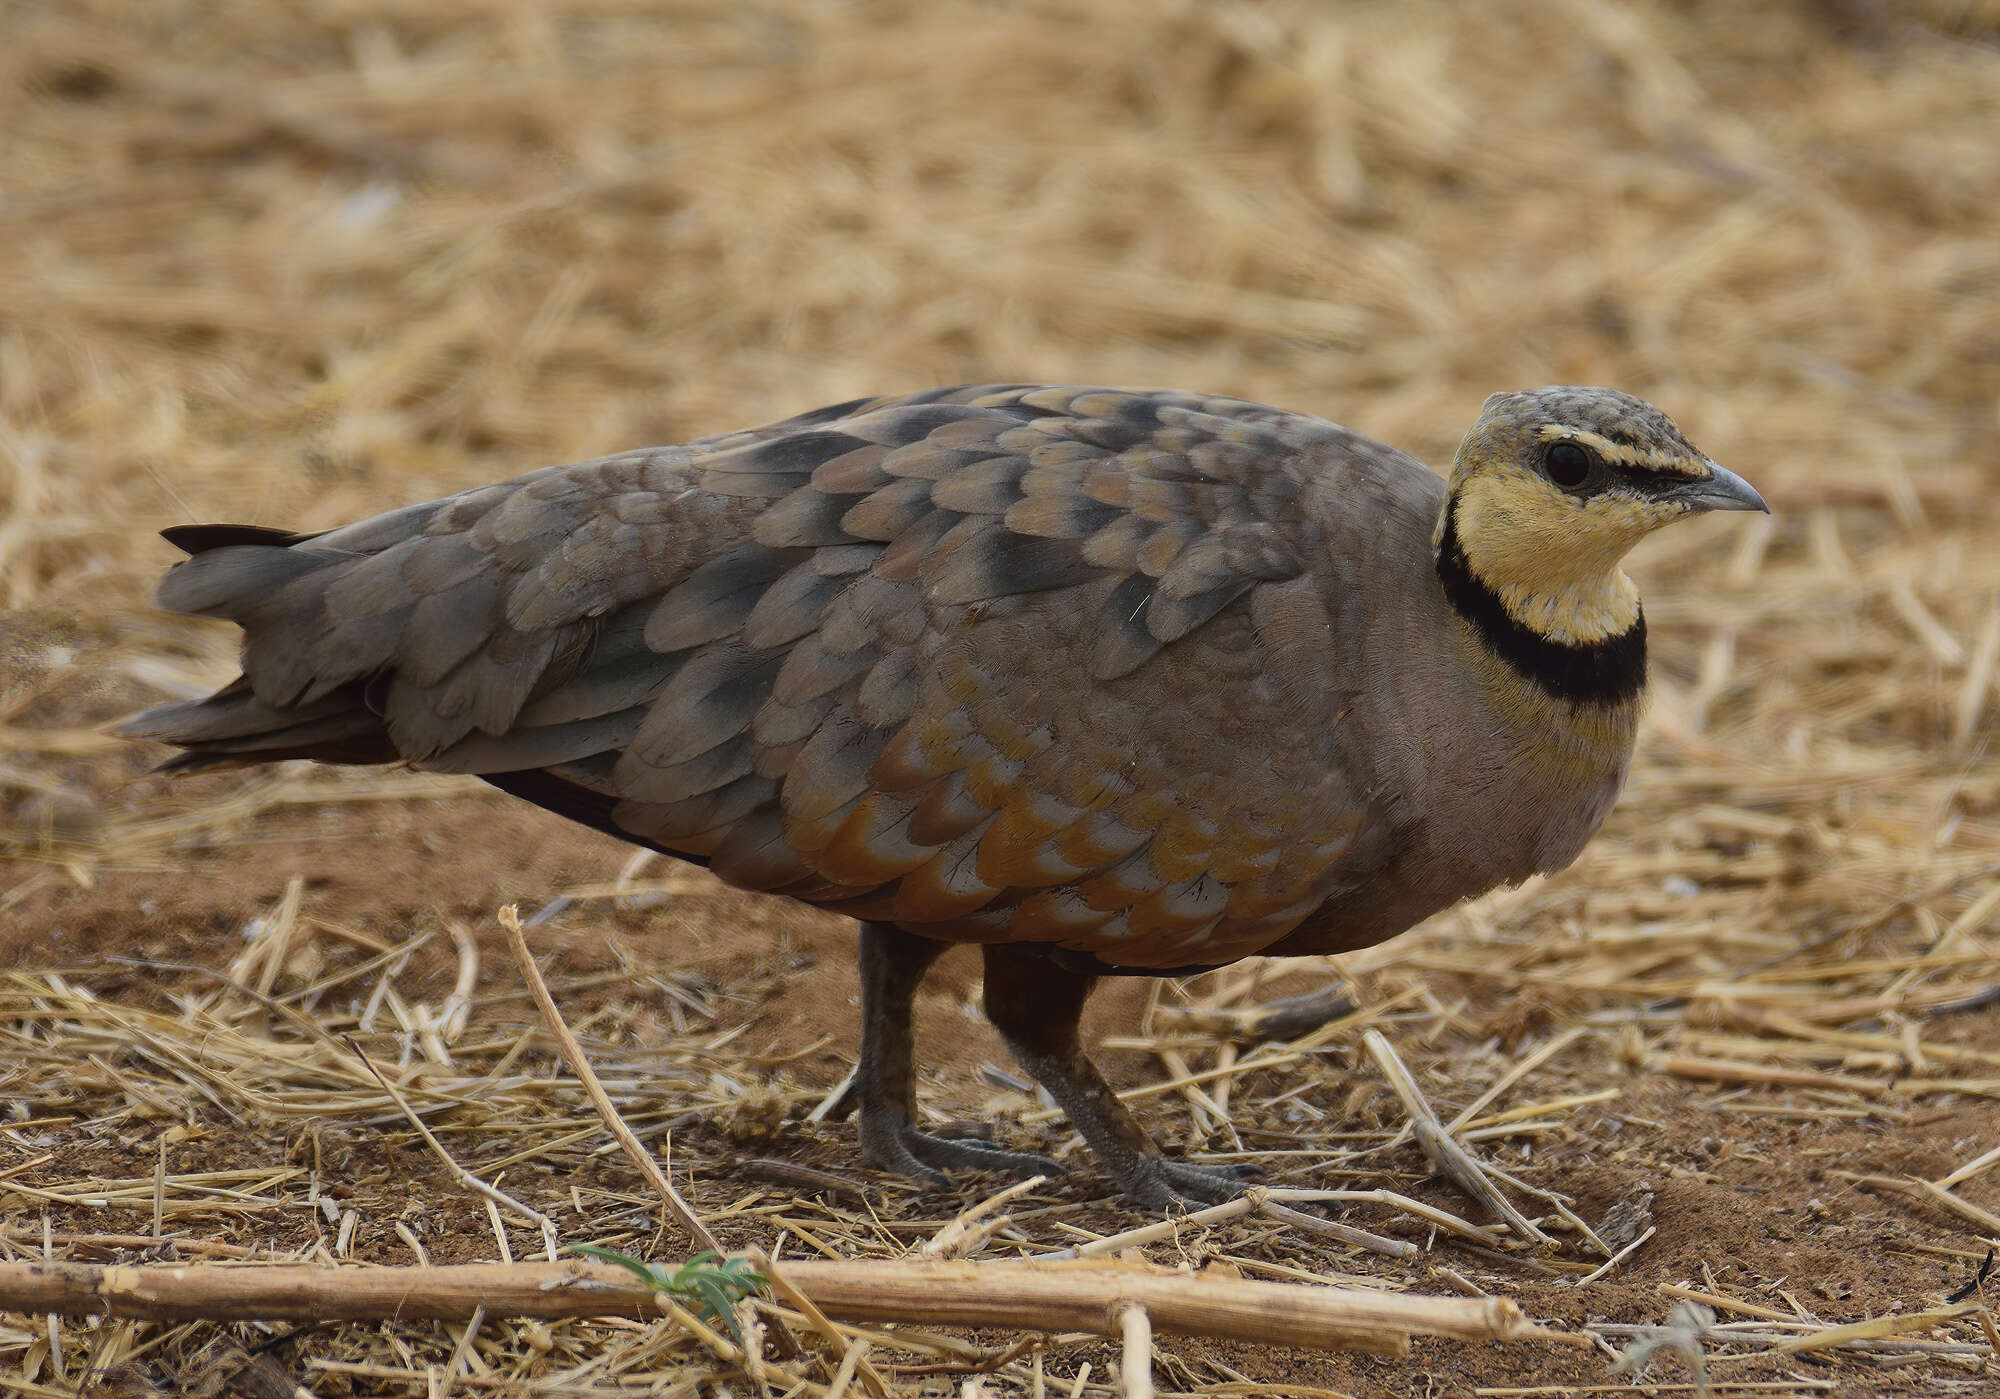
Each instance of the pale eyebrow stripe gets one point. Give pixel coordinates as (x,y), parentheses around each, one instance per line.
(1651,458)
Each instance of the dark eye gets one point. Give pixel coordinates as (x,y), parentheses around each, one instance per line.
(1569,465)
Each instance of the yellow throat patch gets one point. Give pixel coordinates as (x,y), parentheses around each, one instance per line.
(1552,558)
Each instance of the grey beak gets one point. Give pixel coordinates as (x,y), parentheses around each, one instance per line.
(1723,490)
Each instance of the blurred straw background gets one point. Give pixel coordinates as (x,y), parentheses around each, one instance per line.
(296,263)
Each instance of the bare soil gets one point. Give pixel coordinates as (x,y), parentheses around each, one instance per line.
(1751,1203)
(295,264)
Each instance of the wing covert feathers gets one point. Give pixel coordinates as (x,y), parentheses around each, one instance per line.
(983,660)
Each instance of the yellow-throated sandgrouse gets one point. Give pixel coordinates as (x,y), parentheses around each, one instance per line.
(1107,682)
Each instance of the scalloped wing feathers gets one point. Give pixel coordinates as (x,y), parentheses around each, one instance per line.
(994,663)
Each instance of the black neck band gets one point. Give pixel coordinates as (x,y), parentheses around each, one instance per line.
(1607,672)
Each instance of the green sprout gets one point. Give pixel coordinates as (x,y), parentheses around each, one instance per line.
(714,1284)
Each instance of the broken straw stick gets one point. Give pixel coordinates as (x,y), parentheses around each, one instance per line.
(1257,1199)
(1446,1155)
(854,1359)
(1730,1071)
(969,1230)
(1084,1296)
(457,1007)
(1135,1365)
(635,1151)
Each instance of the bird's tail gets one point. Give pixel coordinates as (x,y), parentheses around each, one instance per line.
(232,571)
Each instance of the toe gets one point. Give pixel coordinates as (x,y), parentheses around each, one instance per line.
(952,1153)
(890,1151)
(903,1150)
(1157,1183)
(1204,1187)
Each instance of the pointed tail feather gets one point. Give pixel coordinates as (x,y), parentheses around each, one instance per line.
(231,571)
(199,539)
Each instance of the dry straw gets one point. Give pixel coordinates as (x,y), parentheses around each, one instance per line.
(292,265)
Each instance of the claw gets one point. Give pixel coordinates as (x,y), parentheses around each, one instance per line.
(1163,1184)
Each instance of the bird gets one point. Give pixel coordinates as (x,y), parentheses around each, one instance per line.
(1108,682)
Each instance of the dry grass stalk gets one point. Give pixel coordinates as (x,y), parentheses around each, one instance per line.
(1080,1296)
(1980,1218)
(579,1064)
(1135,1358)
(299,269)
(1979,1165)
(1765,1339)
(266,955)
(1334,1229)
(972,1226)
(1700,1391)
(1440,1148)
(1469,1115)
(1722,1303)
(1260,1200)
(1689,1066)
(1619,1257)
(851,1360)
(457,1007)
(853,1350)
(464,1177)
(1874,1329)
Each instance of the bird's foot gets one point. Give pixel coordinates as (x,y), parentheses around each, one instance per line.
(901,1148)
(1162,1184)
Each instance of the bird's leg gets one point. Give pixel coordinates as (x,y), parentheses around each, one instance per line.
(1036,1006)
(893,964)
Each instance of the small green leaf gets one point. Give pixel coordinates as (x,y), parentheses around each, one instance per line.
(714,1284)
(649,1273)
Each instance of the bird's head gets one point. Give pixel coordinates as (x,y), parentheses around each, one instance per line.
(1553,486)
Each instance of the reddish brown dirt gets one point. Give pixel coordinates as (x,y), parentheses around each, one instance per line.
(1754,1204)
(296,264)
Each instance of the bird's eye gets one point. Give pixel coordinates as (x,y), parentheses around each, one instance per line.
(1569,465)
